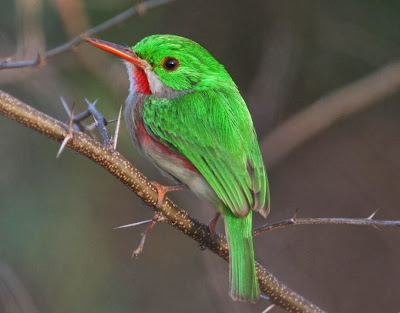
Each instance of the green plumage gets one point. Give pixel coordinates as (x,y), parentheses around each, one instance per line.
(242,275)
(189,104)
(211,127)
(209,124)
(218,138)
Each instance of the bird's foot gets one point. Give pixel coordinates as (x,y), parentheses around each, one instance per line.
(158,217)
(162,191)
(212,223)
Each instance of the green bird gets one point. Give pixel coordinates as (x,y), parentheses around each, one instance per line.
(185,113)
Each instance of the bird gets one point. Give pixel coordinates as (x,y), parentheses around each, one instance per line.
(185,113)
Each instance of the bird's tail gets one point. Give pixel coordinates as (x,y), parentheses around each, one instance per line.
(242,271)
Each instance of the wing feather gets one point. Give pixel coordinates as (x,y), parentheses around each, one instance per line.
(214,131)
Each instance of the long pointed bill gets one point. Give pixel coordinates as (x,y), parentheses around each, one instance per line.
(120,51)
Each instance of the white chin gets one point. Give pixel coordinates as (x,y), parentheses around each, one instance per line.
(157,87)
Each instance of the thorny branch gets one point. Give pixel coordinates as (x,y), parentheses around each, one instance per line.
(122,169)
(100,122)
(369,221)
(118,19)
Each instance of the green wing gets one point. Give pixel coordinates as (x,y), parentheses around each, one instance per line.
(214,131)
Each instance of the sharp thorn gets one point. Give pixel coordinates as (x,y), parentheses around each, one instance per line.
(64,143)
(117,128)
(95,121)
(372,215)
(114,120)
(68,136)
(269,308)
(7,60)
(295,214)
(91,104)
(134,224)
(376,227)
(265,297)
(65,105)
(71,119)
(40,60)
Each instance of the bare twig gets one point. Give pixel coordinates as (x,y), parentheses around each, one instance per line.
(65,106)
(118,19)
(121,168)
(158,217)
(326,221)
(324,112)
(75,21)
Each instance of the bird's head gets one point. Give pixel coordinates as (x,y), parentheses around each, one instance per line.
(167,65)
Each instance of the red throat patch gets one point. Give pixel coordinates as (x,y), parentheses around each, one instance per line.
(142,83)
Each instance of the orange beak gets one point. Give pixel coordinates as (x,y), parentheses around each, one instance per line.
(120,51)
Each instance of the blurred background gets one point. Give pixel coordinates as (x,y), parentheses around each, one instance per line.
(58,249)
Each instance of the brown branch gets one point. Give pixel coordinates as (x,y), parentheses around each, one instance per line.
(326,111)
(118,19)
(121,168)
(325,221)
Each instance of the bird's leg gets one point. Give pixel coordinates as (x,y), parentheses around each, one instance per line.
(162,191)
(211,226)
(212,223)
(156,218)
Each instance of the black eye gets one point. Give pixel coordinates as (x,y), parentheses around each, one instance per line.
(170,64)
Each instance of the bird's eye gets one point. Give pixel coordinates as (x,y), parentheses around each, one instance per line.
(170,64)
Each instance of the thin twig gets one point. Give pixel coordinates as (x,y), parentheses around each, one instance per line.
(158,217)
(118,19)
(121,168)
(65,106)
(326,221)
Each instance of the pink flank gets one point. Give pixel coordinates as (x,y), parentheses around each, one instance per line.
(149,142)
